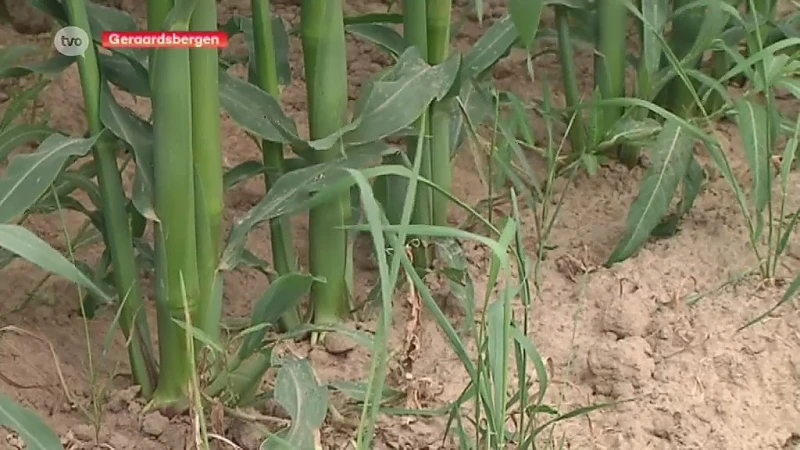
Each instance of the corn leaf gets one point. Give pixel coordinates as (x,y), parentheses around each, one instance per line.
(380,35)
(306,401)
(121,72)
(105,18)
(671,157)
(30,175)
(52,8)
(11,67)
(753,123)
(656,13)
(526,15)
(395,102)
(129,127)
(15,136)
(28,246)
(291,193)
(282,295)
(34,432)
(256,111)
(495,43)
(244,25)
(241,172)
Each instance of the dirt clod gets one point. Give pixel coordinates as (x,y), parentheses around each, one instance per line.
(120,399)
(628,317)
(84,433)
(620,366)
(154,424)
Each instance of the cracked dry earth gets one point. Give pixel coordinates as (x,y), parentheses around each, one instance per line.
(624,333)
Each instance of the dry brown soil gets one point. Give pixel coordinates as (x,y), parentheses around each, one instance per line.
(614,334)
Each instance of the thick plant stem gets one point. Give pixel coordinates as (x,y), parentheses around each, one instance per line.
(266,77)
(176,241)
(157,11)
(438,19)
(207,153)
(116,232)
(325,58)
(610,66)
(415,30)
(577,134)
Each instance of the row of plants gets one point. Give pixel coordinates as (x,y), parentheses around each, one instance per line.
(350,180)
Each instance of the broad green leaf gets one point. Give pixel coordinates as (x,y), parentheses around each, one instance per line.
(630,132)
(381,35)
(753,123)
(52,8)
(29,176)
(256,111)
(119,71)
(138,133)
(495,43)
(105,18)
(241,172)
(291,193)
(298,391)
(11,67)
(280,38)
(31,429)
(16,136)
(28,246)
(671,156)
(282,295)
(656,13)
(526,15)
(396,101)
(692,183)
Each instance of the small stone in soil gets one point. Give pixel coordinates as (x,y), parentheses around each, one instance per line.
(154,424)
(338,344)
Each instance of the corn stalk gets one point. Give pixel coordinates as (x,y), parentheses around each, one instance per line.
(266,77)
(325,57)
(116,232)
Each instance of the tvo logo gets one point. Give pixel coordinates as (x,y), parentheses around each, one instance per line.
(71,41)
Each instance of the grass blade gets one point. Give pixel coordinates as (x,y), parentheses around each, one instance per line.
(753,123)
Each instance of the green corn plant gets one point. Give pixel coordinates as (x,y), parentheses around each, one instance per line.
(266,78)
(117,232)
(207,159)
(324,54)
(609,69)
(438,16)
(415,30)
(175,206)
